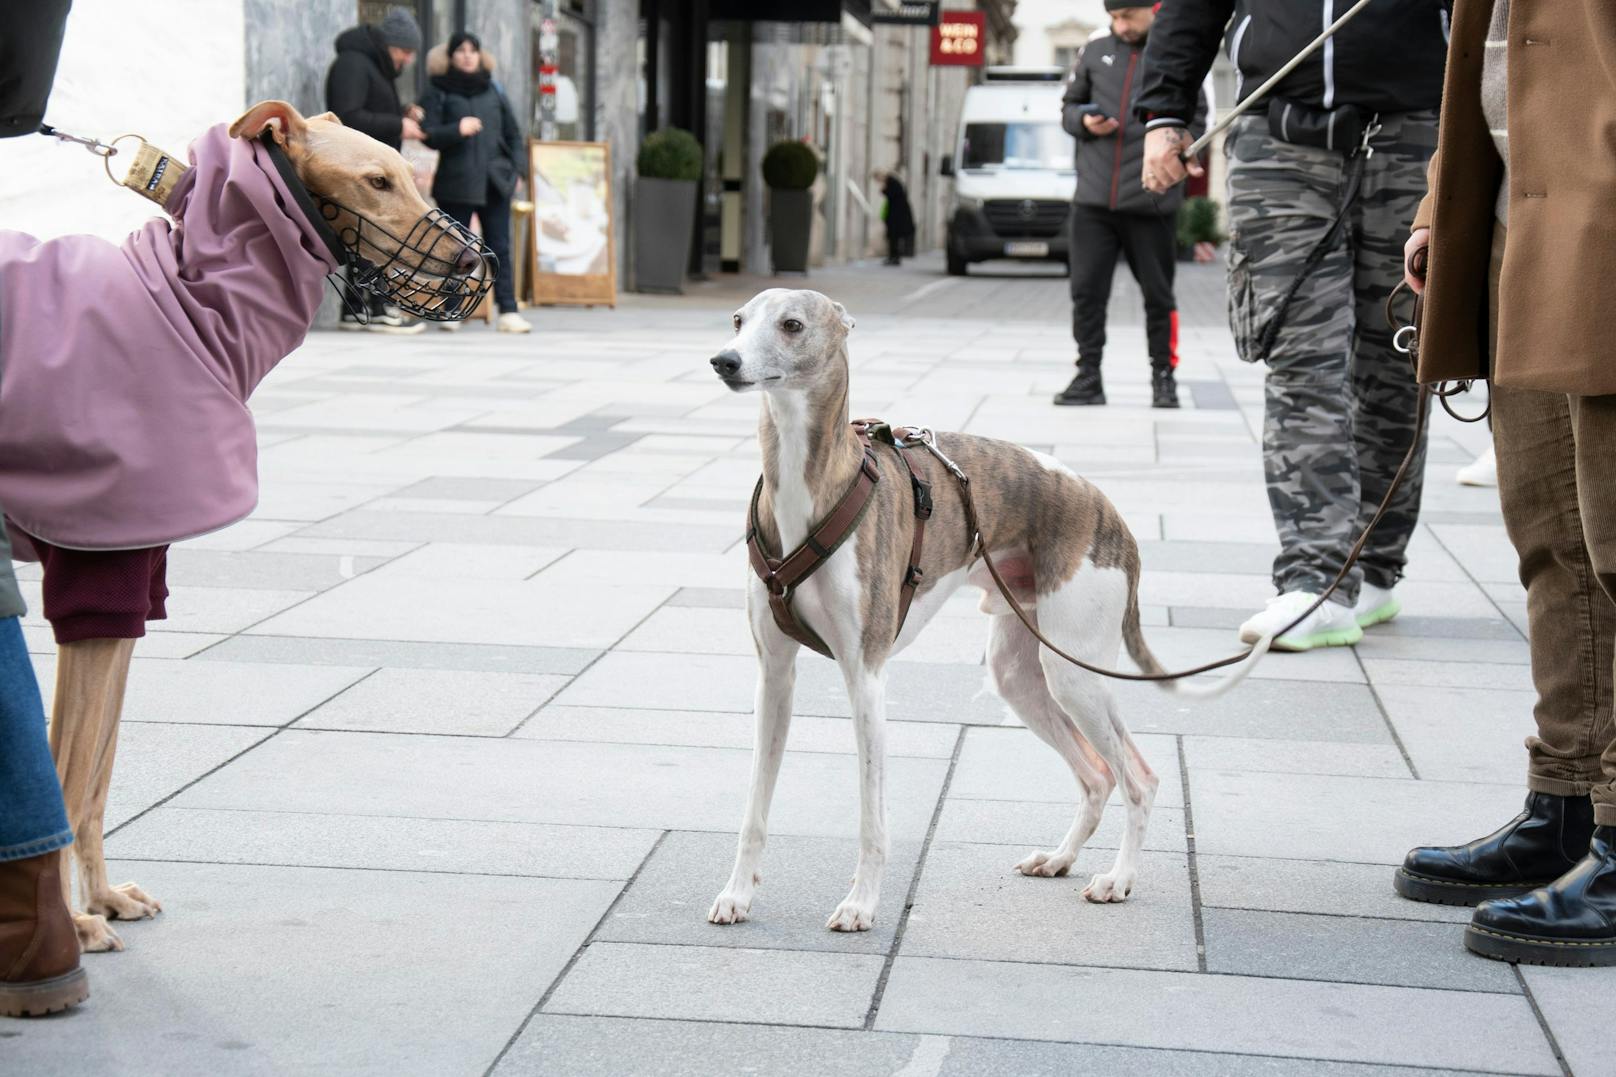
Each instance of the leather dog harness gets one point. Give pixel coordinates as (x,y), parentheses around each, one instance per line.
(781,576)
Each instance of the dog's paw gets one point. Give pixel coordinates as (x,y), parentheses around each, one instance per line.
(126,902)
(1046,865)
(852,915)
(1110,887)
(95,937)
(729,909)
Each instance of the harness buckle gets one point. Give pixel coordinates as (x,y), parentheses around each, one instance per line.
(923,503)
(776,586)
(913,577)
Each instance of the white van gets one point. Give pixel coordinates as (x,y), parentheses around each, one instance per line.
(1014,170)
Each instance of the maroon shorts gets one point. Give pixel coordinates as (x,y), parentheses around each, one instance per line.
(103,594)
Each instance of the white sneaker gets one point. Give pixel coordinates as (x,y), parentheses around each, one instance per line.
(512,322)
(1331,625)
(449,327)
(1482,472)
(1376,605)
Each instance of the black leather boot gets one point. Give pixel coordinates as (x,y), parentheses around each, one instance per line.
(1572,921)
(1532,850)
(1163,388)
(1085,389)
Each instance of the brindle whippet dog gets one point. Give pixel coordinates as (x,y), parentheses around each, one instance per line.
(1061,546)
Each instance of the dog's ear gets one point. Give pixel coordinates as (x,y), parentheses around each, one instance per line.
(283,121)
(326,117)
(841,313)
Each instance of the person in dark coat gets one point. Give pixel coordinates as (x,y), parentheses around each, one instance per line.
(361,88)
(900,219)
(469,121)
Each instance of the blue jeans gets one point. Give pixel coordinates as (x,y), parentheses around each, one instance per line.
(32,818)
(495,217)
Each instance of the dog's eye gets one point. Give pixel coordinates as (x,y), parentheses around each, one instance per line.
(381,183)
(791,325)
(737,321)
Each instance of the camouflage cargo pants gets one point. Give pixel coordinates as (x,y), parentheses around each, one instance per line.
(1340,404)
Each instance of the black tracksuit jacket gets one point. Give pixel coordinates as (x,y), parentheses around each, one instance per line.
(360,89)
(1389,58)
(1107,76)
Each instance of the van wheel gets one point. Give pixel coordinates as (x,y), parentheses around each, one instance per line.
(956,265)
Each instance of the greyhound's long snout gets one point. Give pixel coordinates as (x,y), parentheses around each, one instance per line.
(726,363)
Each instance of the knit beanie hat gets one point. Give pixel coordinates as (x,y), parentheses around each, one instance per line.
(400,30)
(1118,5)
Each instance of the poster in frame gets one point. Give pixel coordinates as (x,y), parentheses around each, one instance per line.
(572,252)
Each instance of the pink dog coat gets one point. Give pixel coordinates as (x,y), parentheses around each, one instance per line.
(125,370)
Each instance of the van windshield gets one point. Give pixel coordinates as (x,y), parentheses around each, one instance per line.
(1017,145)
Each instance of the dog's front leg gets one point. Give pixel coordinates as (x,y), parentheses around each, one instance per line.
(777,677)
(867,692)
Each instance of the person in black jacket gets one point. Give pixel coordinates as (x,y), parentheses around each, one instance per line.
(899,217)
(1111,214)
(361,88)
(472,126)
(39,948)
(1324,177)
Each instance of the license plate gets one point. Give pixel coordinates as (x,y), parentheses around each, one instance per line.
(1026,250)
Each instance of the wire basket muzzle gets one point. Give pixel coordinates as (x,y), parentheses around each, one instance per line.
(439,272)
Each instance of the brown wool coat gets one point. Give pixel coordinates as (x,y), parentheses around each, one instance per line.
(1558,287)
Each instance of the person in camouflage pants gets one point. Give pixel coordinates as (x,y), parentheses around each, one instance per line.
(1341,403)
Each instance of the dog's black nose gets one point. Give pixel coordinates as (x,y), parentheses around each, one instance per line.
(469,260)
(726,363)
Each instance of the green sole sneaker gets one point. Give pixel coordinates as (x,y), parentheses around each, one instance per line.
(1380,614)
(1339,637)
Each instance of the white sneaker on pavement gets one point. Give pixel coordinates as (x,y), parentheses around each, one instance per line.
(449,327)
(1376,605)
(1483,471)
(1331,625)
(512,322)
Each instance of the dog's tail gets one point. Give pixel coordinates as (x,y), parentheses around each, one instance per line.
(1140,652)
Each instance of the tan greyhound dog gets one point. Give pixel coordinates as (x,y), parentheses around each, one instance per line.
(1062,548)
(369,179)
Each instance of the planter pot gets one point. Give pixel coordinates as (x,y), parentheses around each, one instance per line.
(791,219)
(664,217)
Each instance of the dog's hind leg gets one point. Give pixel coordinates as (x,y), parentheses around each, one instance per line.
(90,676)
(1019,679)
(866,690)
(777,675)
(1084,617)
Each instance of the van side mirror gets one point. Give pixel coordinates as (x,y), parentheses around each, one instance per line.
(947,166)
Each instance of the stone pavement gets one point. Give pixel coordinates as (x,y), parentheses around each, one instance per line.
(437,765)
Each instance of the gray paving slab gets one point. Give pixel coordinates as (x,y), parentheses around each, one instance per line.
(1267,709)
(724,598)
(630,785)
(804,879)
(281,571)
(1032,824)
(391,843)
(1573,1005)
(1312,886)
(1255,755)
(1344,1022)
(403,654)
(1359,820)
(254,970)
(157,759)
(971,904)
(617,1047)
(218,692)
(621,535)
(1346,949)
(780,987)
(454,702)
(927,740)
(1463,734)
(468,489)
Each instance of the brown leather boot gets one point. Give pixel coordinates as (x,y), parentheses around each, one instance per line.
(39,950)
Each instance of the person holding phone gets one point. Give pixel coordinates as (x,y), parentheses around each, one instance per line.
(1111,214)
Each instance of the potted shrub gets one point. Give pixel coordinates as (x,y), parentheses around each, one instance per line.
(1198,231)
(789,169)
(669,165)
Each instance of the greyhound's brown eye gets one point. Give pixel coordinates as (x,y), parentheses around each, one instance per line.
(791,325)
(381,183)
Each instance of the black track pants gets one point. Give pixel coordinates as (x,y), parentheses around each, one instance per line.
(1150,244)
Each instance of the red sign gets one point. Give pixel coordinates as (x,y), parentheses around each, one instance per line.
(959,39)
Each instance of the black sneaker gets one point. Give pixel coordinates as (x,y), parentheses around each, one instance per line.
(1163,388)
(1085,389)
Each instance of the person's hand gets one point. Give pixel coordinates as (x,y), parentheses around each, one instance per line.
(1419,241)
(416,113)
(469,126)
(1164,163)
(413,130)
(1099,126)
